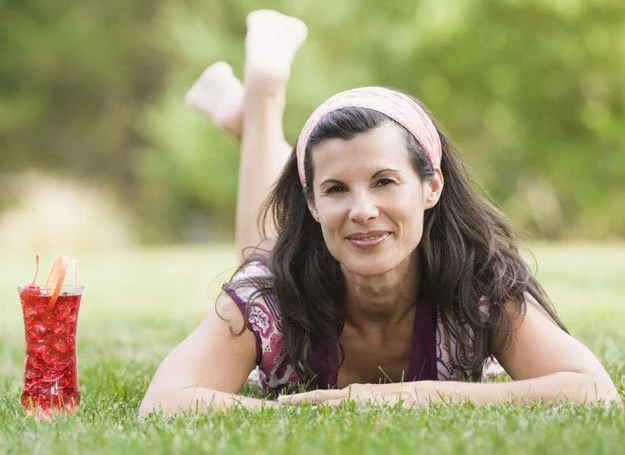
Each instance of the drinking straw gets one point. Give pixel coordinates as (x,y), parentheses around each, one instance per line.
(75,268)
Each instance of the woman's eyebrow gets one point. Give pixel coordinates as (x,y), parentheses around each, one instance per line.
(332,181)
(382,171)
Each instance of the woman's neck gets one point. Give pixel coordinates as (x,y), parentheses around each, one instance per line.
(381,300)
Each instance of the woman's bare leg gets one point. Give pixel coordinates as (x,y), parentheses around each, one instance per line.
(271,42)
(253,113)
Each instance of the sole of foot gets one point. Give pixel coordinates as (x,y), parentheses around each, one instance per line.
(270,45)
(218,94)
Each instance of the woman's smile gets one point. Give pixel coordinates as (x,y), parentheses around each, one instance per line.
(368,239)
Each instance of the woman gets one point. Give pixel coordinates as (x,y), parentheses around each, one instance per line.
(390,278)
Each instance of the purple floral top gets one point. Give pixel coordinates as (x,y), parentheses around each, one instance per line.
(434,351)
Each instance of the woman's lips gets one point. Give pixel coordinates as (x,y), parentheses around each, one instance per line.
(369,239)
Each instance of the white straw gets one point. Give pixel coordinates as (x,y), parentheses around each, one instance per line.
(75,269)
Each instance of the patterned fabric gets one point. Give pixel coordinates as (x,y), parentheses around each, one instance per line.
(275,371)
(396,105)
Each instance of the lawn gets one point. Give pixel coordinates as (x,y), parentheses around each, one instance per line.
(139,303)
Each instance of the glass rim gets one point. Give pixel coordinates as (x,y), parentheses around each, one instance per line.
(64,288)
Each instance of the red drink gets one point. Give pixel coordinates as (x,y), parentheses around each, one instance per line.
(50,375)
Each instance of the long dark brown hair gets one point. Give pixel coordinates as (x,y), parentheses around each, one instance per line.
(468,254)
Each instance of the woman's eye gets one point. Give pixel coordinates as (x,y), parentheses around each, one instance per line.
(385,181)
(335,189)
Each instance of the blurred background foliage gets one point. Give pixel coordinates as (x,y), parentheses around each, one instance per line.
(91,95)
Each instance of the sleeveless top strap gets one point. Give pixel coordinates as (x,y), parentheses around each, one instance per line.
(423,360)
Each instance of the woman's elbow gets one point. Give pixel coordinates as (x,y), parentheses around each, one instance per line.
(597,389)
(163,402)
(150,404)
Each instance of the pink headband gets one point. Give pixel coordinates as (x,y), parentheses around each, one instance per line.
(399,107)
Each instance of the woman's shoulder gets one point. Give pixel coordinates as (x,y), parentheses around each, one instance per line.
(252,269)
(251,288)
(249,279)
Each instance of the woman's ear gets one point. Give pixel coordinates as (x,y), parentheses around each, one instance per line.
(433,189)
(312,209)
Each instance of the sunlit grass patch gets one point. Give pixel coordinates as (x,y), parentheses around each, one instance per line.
(140,303)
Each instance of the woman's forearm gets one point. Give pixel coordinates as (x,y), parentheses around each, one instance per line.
(568,386)
(196,400)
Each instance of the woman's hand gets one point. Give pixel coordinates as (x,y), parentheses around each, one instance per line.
(407,394)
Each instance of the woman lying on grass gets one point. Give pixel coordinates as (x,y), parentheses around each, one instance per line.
(390,278)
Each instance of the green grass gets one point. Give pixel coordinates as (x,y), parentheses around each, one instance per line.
(139,303)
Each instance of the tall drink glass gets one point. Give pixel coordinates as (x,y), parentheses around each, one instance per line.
(50,373)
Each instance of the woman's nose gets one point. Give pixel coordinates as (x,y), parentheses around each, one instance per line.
(364,208)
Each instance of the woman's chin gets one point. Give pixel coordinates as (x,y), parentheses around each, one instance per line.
(378,264)
(367,268)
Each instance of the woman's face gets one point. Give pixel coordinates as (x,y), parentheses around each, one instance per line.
(369,200)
